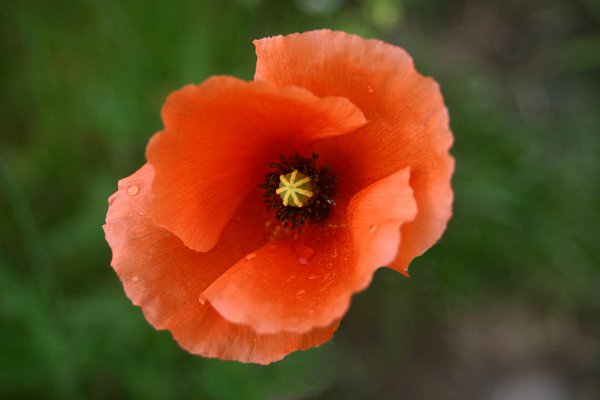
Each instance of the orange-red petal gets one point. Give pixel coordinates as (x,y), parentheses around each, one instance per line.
(218,138)
(204,332)
(408,121)
(377,213)
(303,284)
(434,198)
(166,279)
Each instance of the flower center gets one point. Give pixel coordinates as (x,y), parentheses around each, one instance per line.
(299,191)
(296,187)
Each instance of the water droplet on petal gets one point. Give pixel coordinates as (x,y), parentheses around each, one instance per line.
(300,292)
(135,278)
(312,277)
(250,257)
(373,228)
(304,253)
(202,298)
(133,190)
(370,89)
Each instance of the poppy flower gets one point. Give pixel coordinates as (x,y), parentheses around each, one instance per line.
(265,205)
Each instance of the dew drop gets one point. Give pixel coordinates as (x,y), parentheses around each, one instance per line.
(304,253)
(250,257)
(133,190)
(312,277)
(135,278)
(300,292)
(370,89)
(373,228)
(202,298)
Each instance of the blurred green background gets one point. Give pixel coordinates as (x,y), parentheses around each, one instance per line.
(506,306)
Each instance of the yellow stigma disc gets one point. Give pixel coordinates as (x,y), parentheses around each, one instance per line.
(295,189)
